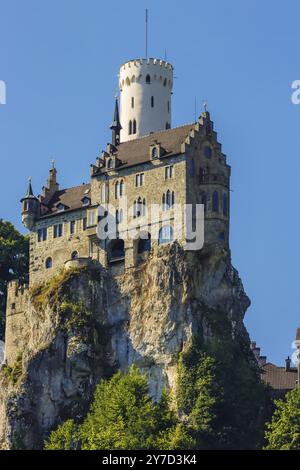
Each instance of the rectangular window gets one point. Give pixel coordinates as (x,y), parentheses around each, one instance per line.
(132,102)
(57,230)
(42,234)
(84,223)
(92,218)
(139,179)
(169,172)
(72,226)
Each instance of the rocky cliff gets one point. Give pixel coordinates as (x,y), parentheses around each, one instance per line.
(84,324)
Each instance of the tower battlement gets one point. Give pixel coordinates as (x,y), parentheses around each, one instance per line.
(145,97)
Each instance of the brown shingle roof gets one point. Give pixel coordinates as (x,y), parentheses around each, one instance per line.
(278,377)
(130,153)
(71,198)
(137,151)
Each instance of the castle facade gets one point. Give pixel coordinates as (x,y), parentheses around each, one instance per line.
(147,162)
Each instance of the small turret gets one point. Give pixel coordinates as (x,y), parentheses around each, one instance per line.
(116,125)
(30,207)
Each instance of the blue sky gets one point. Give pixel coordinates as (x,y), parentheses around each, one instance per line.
(60,60)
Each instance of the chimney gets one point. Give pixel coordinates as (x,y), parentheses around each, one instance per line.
(288,364)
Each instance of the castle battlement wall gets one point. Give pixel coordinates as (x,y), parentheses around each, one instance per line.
(15,330)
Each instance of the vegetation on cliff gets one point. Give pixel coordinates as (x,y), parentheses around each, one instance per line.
(123,416)
(14,261)
(218,392)
(283,432)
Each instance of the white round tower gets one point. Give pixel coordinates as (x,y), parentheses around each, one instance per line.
(145,97)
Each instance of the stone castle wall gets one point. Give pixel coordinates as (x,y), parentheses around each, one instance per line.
(16,329)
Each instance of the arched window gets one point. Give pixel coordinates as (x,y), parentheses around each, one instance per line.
(49,263)
(204,201)
(144,207)
(215,202)
(192,168)
(116,250)
(134,127)
(139,207)
(165,82)
(168,199)
(207,151)
(144,243)
(119,216)
(130,127)
(173,199)
(148,79)
(225,205)
(74,255)
(165,235)
(164,202)
(117,190)
(134,209)
(122,188)
(110,163)
(154,152)
(152,101)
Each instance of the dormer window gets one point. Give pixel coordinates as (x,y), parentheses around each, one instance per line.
(86,201)
(60,207)
(154,153)
(110,163)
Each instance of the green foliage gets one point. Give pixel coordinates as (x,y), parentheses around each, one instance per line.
(14,373)
(219,390)
(14,261)
(54,289)
(123,416)
(64,438)
(283,432)
(74,315)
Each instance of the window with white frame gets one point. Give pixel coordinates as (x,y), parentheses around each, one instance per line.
(169,172)
(139,179)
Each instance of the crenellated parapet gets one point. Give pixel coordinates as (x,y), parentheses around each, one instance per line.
(15,328)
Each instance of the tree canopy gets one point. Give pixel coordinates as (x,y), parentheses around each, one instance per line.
(14,255)
(283,432)
(123,416)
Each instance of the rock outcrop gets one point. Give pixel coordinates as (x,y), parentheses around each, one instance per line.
(85,324)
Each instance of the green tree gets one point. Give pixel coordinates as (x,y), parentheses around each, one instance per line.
(123,416)
(14,255)
(66,437)
(218,391)
(283,432)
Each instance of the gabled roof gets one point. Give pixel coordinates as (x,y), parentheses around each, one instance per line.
(71,198)
(136,151)
(278,377)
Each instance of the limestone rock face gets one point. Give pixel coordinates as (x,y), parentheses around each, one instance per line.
(145,316)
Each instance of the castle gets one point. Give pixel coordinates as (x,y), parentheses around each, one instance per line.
(148,162)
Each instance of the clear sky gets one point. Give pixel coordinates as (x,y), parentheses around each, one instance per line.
(60,59)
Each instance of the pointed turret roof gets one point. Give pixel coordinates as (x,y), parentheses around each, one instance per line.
(29,193)
(116,119)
